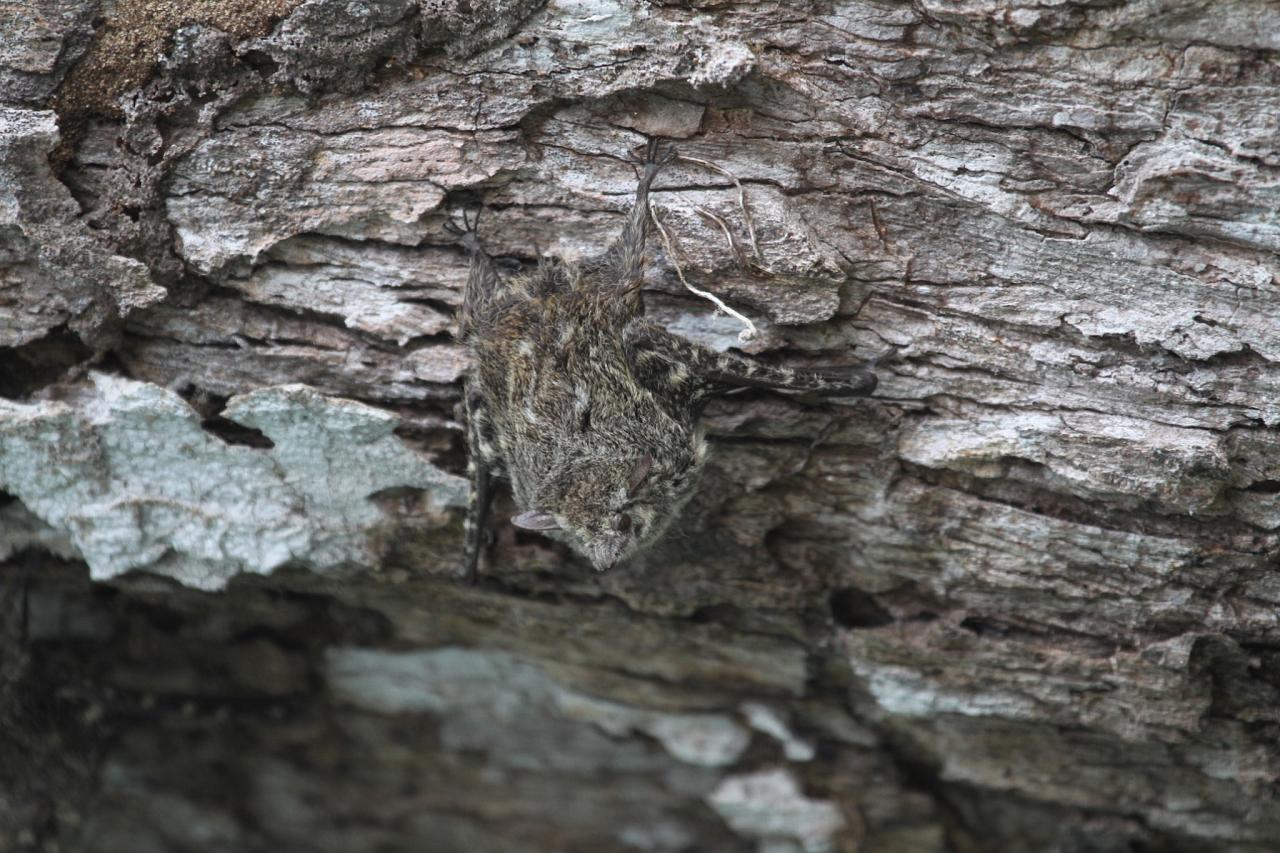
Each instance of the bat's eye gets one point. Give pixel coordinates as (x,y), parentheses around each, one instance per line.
(624,523)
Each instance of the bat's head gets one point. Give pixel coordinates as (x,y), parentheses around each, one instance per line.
(609,507)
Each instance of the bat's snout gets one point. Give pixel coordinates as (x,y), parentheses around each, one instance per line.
(607,552)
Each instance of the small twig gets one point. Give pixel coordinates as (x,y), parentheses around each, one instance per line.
(724,226)
(746,334)
(742,200)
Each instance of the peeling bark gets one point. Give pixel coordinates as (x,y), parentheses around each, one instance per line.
(1026,599)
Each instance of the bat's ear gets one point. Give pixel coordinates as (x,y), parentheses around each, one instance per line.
(535,519)
(639,473)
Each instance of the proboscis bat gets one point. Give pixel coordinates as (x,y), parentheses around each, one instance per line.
(588,409)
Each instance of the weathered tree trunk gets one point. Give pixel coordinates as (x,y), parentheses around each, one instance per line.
(1026,599)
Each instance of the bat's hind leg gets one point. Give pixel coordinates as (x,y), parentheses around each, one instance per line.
(625,258)
(482,278)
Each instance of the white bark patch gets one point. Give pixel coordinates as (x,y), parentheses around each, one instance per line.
(376,288)
(496,689)
(1088,455)
(906,693)
(770,807)
(125,469)
(765,719)
(1182,186)
(723,64)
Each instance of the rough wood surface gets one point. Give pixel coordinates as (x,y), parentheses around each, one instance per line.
(1027,599)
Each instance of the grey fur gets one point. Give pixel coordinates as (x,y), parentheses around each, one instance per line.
(590,411)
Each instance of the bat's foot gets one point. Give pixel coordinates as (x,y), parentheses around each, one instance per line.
(465,233)
(656,156)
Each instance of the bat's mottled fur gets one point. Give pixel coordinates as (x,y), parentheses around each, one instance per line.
(588,409)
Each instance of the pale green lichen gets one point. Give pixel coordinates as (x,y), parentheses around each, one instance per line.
(126,471)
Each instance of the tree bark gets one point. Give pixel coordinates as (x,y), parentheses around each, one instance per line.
(1024,599)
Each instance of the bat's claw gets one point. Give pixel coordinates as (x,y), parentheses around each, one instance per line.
(656,155)
(466,233)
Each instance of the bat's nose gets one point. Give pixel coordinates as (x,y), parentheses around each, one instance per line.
(607,554)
